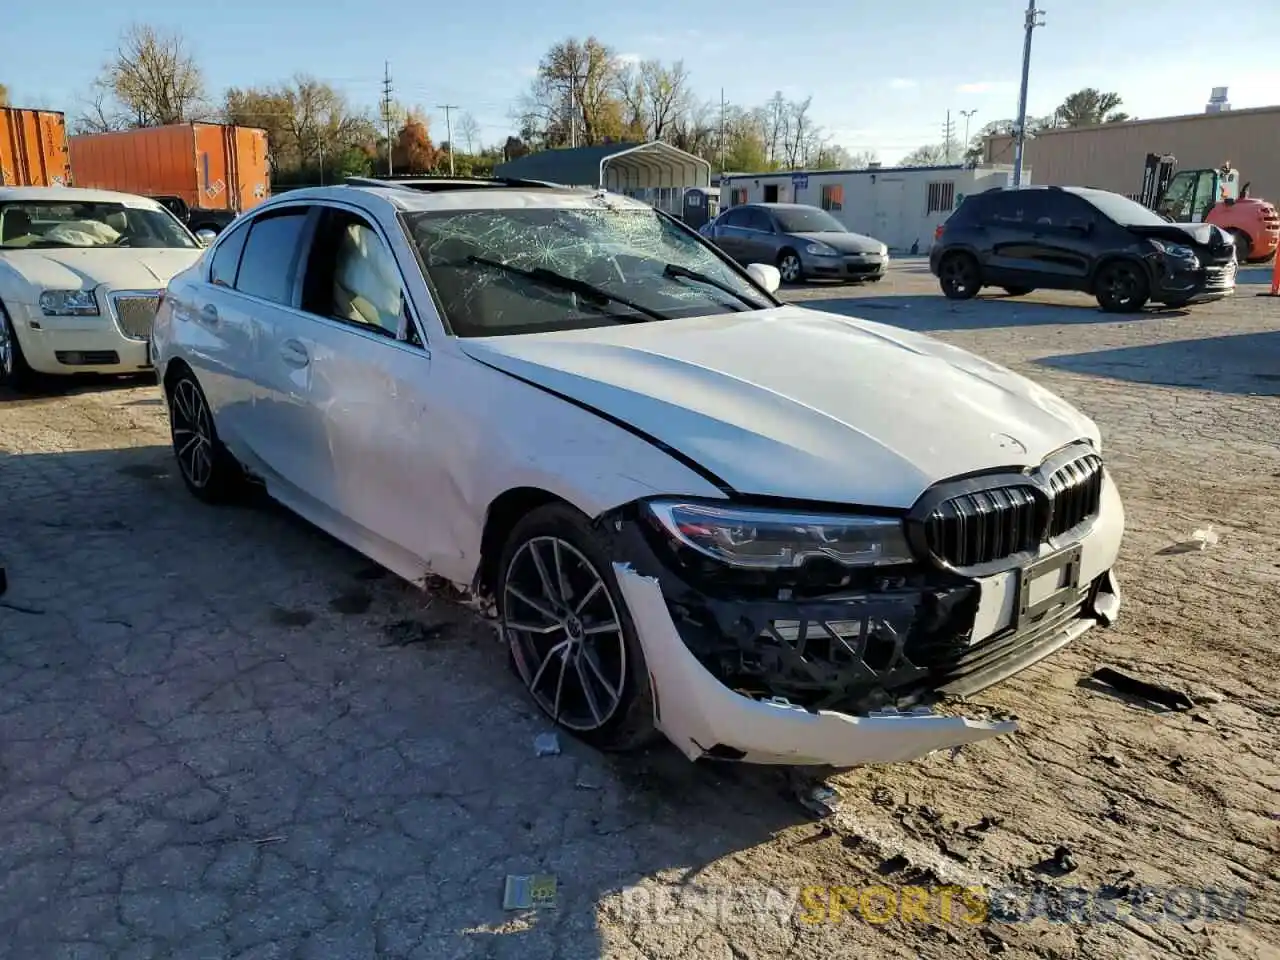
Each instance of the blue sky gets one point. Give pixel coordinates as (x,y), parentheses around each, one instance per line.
(880,79)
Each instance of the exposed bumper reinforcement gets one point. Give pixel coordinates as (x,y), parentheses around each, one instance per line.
(702,716)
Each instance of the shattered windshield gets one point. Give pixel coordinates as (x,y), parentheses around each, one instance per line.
(45,224)
(519,270)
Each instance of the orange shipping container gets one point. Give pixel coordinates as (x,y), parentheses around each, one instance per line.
(33,148)
(209,165)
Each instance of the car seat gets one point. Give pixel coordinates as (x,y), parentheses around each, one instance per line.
(16,224)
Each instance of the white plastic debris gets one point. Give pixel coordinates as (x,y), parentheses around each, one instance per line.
(546,745)
(1201,539)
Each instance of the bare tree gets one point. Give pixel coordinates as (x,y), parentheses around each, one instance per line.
(929,155)
(469,131)
(307,121)
(777,121)
(666,92)
(801,133)
(153,78)
(99,114)
(574,96)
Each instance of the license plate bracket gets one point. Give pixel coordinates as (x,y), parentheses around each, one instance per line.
(1062,570)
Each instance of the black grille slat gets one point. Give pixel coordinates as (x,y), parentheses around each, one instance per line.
(986,526)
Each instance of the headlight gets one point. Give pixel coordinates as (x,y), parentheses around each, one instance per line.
(763,539)
(1176,251)
(884,250)
(822,250)
(69,303)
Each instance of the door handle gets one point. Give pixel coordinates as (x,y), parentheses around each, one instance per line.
(209,313)
(294,353)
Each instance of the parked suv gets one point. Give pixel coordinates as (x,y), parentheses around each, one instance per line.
(1075,238)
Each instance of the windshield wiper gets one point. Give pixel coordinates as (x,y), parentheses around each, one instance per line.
(588,291)
(675,270)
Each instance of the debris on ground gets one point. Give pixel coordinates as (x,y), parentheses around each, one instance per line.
(882,797)
(1060,863)
(1156,693)
(819,799)
(1110,759)
(402,633)
(1199,541)
(546,745)
(525,892)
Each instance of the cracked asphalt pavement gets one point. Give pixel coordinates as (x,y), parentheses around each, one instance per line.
(224,735)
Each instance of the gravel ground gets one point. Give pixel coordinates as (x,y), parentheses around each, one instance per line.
(224,735)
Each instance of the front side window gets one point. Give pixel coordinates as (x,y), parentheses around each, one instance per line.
(266,268)
(807,220)
(44,225)
(1126,212)
(353,277)
(498,272)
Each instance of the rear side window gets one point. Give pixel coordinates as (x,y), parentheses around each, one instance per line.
(971,210)
(270,255)
(226,259)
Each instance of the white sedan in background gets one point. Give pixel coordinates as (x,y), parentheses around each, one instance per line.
(773,534)
(81,273)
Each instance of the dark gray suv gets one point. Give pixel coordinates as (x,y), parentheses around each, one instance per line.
(802,241)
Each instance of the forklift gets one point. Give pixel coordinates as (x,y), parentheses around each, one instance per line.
(1212,195)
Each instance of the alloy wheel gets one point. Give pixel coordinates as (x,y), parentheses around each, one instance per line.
(789,268)
(6,349)
(565,633)
(192,433)
(958,275)
(1120,285)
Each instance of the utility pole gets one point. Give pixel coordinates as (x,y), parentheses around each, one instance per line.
(948,135)
(320,149)
(1035,18)
(722,111)
(967,114)
(448,127)
(386,111)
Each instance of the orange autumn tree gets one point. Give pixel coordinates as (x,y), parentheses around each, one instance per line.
(413,151)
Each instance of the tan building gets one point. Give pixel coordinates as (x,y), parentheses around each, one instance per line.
(1112,156)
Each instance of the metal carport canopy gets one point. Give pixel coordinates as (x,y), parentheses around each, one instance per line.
(653,164)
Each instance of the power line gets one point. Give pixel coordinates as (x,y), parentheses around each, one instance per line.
(386,111)
(448,109)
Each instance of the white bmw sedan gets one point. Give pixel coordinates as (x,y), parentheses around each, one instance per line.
(81,273)
(770,533)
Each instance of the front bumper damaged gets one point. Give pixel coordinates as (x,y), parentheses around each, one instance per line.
(849,677)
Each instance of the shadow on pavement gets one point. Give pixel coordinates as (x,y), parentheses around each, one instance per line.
(50,389)
(1240,364)
(233,732)
(925,314)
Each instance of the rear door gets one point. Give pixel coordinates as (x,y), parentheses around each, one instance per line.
(728,234)
(267,397)
(759,238)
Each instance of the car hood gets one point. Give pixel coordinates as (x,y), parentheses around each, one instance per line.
(799,403)
(76,268)
(1205,234)
(844,242)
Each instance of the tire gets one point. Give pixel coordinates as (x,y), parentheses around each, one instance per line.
(959,276)
(790,267)
(1121,286)
(1017,291)
(15,373)
(207,469)
(1244,246)
(621,723)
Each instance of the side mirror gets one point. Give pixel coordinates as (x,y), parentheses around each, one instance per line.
(205,237)
(765,274)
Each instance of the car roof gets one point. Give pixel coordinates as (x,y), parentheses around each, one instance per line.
(75,195)
(428,194)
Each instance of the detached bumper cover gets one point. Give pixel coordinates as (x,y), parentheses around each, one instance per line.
(822,680)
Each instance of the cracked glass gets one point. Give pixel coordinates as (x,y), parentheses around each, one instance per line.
(595,266)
